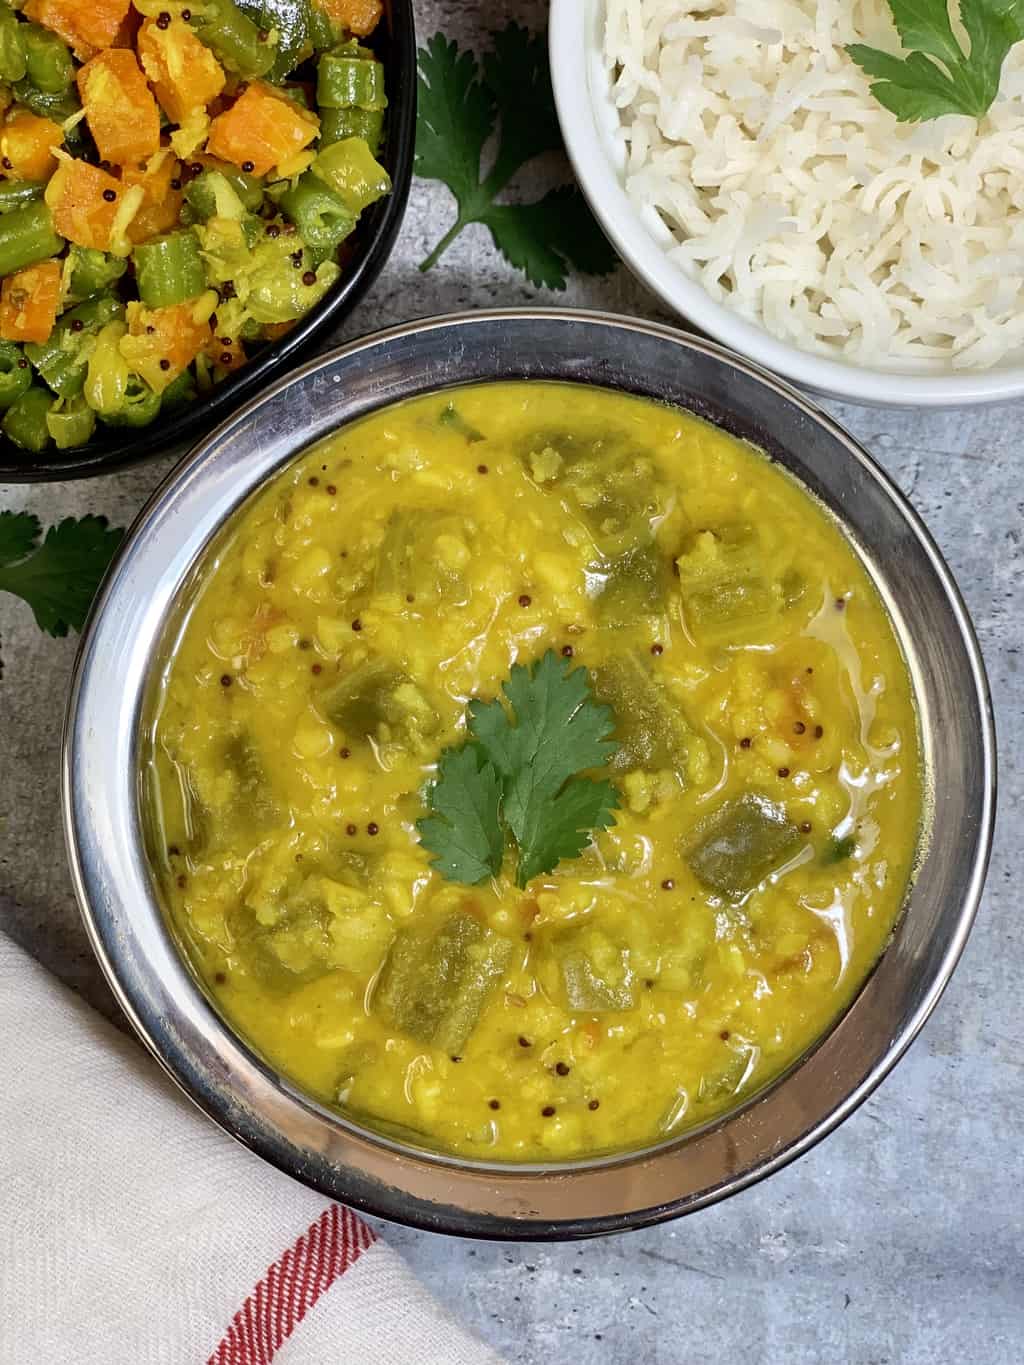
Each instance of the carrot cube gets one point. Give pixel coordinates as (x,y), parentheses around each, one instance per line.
(26,144)
(161,342)
(162,203)
(261,129)
(119,107)
(28,302)
(183,71)
(85,25)
(358,16)
(84,202)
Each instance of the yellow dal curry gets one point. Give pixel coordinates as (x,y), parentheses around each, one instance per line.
(768,771)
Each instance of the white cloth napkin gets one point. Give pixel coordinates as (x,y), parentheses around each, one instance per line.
(134,1232)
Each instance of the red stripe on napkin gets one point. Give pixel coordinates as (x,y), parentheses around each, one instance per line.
(292,1286)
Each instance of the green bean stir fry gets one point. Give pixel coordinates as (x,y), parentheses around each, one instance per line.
(178,186)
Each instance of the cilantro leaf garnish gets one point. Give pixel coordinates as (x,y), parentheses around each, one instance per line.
(937,77)
(464,833)
(460,107)
(520,770)
(557,827)
(58,578)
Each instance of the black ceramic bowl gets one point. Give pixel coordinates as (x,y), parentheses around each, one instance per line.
(112,448)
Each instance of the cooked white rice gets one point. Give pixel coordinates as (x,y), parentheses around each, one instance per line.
(795,198)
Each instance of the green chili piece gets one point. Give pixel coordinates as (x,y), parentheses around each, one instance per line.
(71,423)
(49,64)
(139,405)
(15,374)
(338,124)
(27,237)
(25,420)
(321,217)
(13,64)
(349,168)
(14,194)
(169,269)
(234,38)
(93,271)
(345,82)
(62,360)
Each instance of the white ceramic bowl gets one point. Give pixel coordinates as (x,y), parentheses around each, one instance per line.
(589,122)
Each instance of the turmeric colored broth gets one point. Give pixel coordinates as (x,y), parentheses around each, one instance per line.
(769,771)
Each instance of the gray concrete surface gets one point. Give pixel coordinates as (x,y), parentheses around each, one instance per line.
(901,1237)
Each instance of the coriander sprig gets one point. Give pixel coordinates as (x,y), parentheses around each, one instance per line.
(937,76)
(518,778)
(459,109)
(59,575)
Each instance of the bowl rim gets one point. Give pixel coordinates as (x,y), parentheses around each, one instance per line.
(225,1078)
(375,237)
(587,117)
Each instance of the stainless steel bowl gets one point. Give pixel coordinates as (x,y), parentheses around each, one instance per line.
(167,1005)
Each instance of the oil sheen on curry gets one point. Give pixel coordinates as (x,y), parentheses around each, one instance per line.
(536,773)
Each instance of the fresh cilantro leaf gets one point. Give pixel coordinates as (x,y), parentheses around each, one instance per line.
(19,532)
(937,77)
(559,731)
(464,833)
(454,118)
(58,578)
(521,769)
(516,73)
(459,108)
(547,237)
(562,826)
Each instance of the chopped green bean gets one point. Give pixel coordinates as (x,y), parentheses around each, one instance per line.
(139,405)
(71,423)
(93,271)
(14,194)
(234,38)
(345,82)
(349,168)
(107,376)
(179,392)
(338,124)
(290,21)
(15,373)
(224,192)
(169,269)
(324,33)
(62,360)
(58,107)
(49,65)
(27,237)
(322,220)
(13,64)
(25,420)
